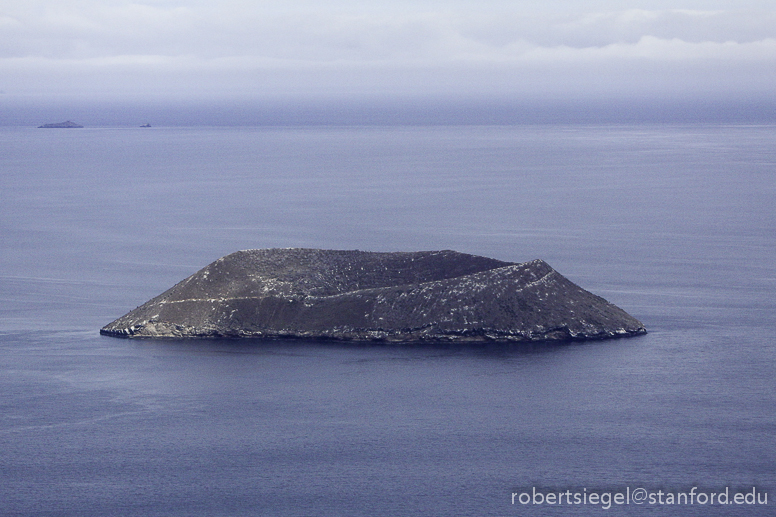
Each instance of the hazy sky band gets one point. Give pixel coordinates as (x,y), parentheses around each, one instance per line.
(246,49)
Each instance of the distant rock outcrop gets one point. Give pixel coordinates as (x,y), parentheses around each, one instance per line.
(61,125)
(366,296)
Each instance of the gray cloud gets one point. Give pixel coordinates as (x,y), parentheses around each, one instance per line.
(238,48)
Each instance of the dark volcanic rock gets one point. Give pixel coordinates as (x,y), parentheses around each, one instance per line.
(357,295)
(61,125)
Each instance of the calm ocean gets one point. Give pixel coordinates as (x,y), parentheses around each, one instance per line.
(674,223)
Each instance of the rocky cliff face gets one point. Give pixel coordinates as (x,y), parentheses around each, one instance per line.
(365,296)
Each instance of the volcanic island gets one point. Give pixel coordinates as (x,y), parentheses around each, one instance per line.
(61,125)
(392,297)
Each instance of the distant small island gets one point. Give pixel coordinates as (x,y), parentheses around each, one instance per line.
(427,296)
(146,125)
(61,125)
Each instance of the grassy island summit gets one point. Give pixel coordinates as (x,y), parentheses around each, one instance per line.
(425,296)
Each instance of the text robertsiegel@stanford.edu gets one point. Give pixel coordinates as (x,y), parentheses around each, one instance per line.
(638,496)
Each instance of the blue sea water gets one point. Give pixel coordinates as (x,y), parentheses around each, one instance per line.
(674,223)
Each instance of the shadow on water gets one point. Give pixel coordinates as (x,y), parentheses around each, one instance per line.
(295,346)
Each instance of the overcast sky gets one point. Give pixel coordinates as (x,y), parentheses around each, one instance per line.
(237,49)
